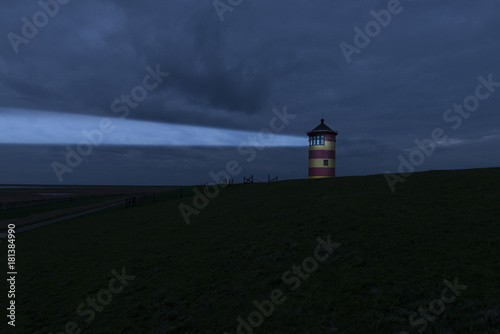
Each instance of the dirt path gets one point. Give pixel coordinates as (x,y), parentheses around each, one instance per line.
(49,215)
(27,227)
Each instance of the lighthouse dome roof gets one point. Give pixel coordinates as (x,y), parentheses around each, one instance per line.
(322,128)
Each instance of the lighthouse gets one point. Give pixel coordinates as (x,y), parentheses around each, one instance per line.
(322,151)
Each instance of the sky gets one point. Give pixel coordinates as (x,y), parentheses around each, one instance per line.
(172,92)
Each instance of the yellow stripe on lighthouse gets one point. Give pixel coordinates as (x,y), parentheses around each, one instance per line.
(319,163)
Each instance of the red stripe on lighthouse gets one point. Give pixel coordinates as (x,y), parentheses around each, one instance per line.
(321,154)
(318,171)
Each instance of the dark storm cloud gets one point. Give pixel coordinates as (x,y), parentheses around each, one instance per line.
(267,54)
(91,53)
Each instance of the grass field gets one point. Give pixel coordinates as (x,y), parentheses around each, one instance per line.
(394,252)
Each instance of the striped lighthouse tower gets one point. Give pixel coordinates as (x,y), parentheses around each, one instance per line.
(322,151)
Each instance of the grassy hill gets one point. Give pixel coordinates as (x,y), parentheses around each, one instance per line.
(393,252)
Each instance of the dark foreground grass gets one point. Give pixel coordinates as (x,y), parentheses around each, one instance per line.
(395,250)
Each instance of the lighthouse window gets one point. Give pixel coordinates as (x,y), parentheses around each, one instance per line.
(317,140)
(325,162)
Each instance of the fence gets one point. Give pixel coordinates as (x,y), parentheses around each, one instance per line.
(251,179)
(174,193)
